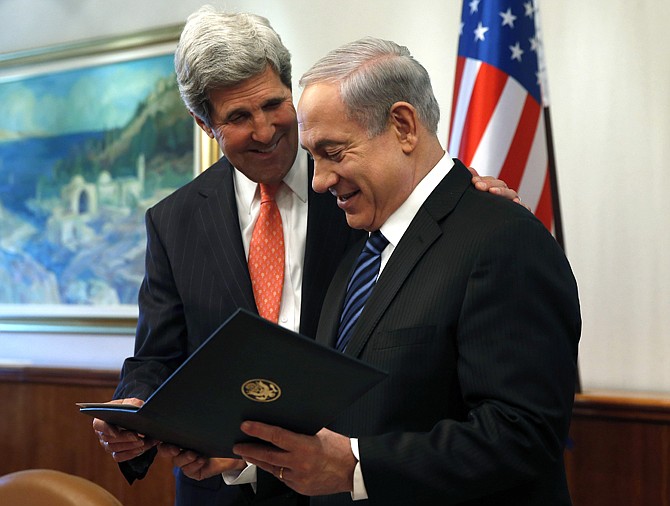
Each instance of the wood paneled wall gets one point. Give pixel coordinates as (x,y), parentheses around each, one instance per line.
(620,450)
(619,453)
(41,427)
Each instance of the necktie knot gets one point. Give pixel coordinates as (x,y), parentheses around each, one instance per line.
(268,192)
(376,243)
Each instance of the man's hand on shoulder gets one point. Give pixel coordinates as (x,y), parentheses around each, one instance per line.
(495,186)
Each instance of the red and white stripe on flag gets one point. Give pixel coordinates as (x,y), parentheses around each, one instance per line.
(497,117)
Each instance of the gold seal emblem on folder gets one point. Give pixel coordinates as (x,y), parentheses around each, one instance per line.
(261,390)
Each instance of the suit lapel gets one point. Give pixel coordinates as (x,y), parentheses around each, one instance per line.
(334,300)
(424,230)
(221,227)
(328,238)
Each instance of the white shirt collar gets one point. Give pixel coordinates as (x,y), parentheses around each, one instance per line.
(296,180)
(396,225)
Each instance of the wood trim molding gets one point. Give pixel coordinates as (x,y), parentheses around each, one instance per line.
(650,407)
(60,376)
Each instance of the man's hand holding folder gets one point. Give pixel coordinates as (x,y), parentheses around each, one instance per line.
(196,466)
(122,444)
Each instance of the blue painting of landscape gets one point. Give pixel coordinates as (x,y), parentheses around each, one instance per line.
(83,154)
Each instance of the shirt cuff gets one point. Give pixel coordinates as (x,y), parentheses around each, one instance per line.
(359,492)
(246,475)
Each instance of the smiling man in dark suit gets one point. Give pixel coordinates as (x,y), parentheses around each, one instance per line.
(474,314)
(234,75)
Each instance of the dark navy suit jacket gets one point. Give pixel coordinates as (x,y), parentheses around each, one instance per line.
(476,319)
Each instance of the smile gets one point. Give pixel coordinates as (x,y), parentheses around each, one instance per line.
(346,196)
(269,149)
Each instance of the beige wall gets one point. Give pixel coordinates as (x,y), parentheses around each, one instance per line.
(609,78)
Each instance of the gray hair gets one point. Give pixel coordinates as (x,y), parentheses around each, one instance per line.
(373,75)
(218,49)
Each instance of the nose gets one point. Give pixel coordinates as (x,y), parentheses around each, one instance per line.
(324,178)
(263,129)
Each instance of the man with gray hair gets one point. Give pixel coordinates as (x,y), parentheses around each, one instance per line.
(234,75)
(465,300)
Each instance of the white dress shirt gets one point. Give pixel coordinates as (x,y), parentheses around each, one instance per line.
(291,200)
(393,229)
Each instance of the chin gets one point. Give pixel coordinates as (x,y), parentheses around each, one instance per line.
(357,224)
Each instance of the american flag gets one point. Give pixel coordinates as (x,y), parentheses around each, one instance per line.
(499,116)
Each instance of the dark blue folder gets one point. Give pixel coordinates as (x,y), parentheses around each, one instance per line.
(248,369)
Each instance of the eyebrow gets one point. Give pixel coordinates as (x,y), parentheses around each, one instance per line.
(238,110)
(324,143)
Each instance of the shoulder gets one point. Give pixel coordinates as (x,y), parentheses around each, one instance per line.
(476,219)
(455,201)
(205,184)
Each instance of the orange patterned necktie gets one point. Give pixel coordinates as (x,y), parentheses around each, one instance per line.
(266,256)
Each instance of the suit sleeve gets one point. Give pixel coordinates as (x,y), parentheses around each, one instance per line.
(516,339)
(159,340)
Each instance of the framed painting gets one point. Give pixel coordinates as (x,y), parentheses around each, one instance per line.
(91,135)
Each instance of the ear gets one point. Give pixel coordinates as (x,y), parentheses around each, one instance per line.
(405,122)
(202,125)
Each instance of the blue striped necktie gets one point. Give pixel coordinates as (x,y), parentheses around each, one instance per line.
(360,286)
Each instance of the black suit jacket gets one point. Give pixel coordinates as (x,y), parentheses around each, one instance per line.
(196,277)
(476,318)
